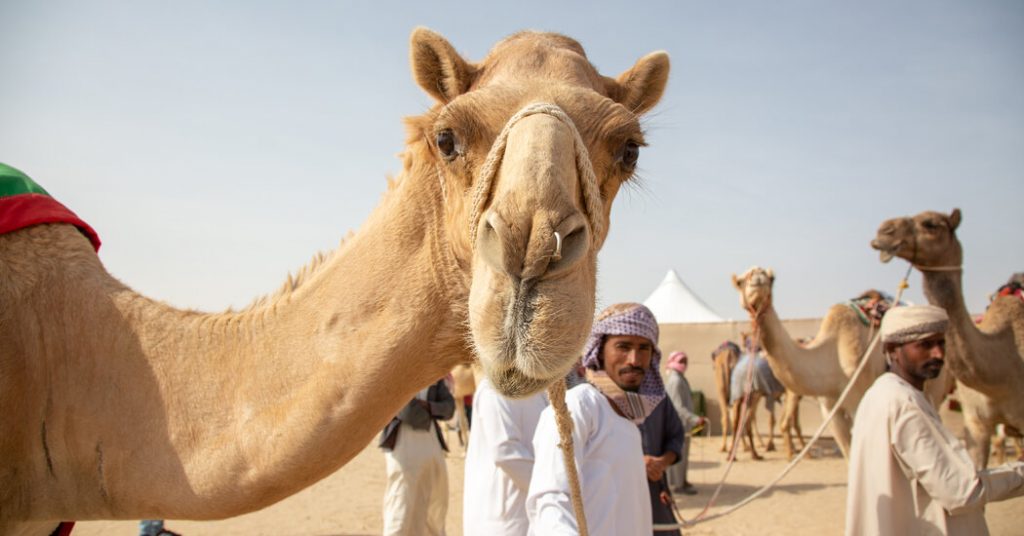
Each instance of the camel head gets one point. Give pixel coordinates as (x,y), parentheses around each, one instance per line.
(755,288)
(926,240)
(530,147)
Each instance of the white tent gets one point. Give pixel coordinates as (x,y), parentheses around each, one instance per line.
(674,303)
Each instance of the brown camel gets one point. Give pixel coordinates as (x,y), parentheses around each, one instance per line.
(724,359)
(117,406)
(988,358)
(824,366)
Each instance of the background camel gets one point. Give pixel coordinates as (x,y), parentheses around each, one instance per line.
(987,359)
(119,406)
(463,384)
(724,359)
(823,367)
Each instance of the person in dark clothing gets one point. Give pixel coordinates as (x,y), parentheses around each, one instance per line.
(662,436)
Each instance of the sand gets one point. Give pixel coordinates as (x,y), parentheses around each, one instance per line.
(810,500)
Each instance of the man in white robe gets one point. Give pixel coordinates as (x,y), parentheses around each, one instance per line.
(416,493)
(499,462)
(621,360)
(908,474)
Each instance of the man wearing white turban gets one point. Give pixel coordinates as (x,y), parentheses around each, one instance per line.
(908,474)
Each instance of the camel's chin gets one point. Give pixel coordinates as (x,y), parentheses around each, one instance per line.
(513,383)
(885,256)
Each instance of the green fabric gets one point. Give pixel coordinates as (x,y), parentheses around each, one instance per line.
(14,182)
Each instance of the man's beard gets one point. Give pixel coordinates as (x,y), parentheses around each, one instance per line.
(631,388)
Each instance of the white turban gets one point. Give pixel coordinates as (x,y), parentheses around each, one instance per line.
(913,323)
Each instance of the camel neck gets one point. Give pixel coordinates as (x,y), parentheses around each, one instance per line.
(361,319)
(781,348)
(235,411)
(793,364)
(944,289)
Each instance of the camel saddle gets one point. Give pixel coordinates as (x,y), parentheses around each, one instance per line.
(23,203)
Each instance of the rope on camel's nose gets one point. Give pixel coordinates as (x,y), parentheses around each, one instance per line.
(556,395)
(588,180)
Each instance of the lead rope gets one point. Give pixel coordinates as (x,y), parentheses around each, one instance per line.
(588,180)
(700,518)
(556,395)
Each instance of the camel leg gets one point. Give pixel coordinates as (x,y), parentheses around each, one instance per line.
(750,436)
(795,420)
(999,447)
(841,425)
(463,424)
(755,429)
(771,428)
(737,426)
(978,438)
(725,409)
(788,423)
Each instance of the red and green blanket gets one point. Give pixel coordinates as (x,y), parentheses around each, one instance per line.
(23,203)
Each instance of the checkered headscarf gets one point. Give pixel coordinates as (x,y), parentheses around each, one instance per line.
(627,319)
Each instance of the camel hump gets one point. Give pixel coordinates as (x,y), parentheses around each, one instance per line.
(24,203)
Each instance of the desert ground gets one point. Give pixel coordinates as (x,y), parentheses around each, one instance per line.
(809,500)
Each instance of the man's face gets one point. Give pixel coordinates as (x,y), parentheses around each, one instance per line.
(627,359)
(920,360)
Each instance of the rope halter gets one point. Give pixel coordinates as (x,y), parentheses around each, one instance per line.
(591,194)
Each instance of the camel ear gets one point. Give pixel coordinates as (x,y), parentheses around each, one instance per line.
(954,219)
(437,67)
(737,283)
(771,274)
(641,87)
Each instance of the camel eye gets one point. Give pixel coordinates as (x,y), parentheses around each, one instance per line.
(630,154)
(446,144)
(930,225)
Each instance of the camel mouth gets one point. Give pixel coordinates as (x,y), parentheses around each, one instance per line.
(886,252)
(513,383)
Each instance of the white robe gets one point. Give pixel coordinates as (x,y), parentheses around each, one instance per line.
(609,460)
(499,462)
(416,493)
(909,475)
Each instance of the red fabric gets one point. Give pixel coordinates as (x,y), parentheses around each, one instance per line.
(26,210)
(64,529)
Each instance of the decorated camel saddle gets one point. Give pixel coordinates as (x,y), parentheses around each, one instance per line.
(23,203)
(1013,287)
(871,306)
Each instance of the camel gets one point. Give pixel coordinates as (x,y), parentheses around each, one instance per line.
(724,359)
(987,359)
(117,406)
(463,384)
(824,366)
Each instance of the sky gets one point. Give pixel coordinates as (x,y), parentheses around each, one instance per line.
(217,146)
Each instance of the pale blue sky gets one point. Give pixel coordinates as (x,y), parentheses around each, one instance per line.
(218,146)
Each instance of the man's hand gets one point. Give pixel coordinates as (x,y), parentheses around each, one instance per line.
(655,466)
